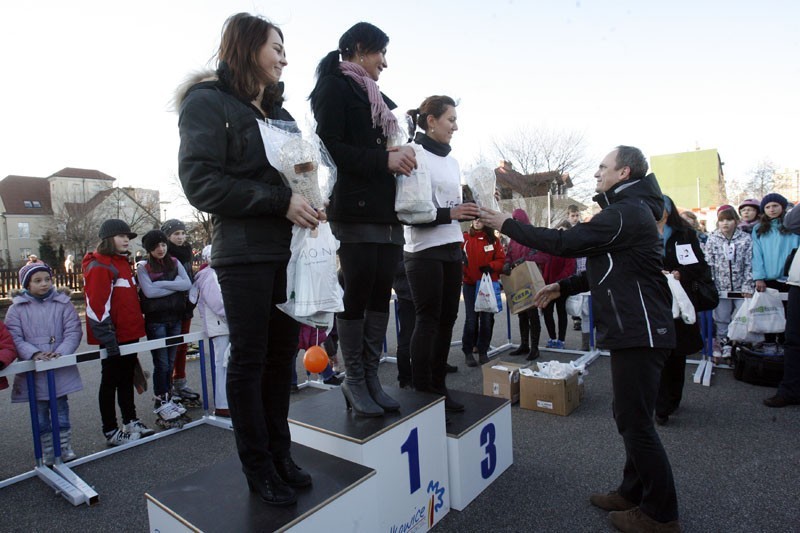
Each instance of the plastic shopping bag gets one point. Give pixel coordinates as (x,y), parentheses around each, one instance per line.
(414,194)
(737,330)
(765,313)
(313,293)
(681,304)
(485,297)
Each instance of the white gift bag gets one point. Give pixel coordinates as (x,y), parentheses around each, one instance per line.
(681,304)
(414,194)
(765,313)
(313,293)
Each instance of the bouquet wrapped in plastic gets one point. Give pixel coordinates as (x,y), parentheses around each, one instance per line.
(305,165)
(482,182)
(313,293)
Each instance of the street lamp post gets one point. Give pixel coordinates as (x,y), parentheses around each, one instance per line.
(164,205)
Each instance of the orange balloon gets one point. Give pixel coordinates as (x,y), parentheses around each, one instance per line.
(315,359)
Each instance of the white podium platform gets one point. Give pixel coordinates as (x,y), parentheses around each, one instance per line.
(479,445)
(408,451)
(342,497)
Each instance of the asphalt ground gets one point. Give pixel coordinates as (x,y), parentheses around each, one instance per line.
(736,463)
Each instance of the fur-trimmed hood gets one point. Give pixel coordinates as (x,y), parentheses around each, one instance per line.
(66,291)
(195,77)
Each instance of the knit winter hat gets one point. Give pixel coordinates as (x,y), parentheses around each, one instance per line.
(27,272)
(113,227)
(752,202)
(722,208)
(171,226)
(774,197)
(152,238)
(206,253)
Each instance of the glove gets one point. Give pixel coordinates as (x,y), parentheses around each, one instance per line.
(485,269)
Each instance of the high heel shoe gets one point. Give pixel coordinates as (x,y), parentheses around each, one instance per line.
(271,488)
(362,404)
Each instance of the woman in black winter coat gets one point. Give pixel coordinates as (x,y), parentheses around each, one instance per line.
(684,259)
(355,122)
(224,171)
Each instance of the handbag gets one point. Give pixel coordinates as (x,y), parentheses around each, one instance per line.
(703,293)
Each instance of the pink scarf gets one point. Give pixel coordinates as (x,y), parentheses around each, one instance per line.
(381,115)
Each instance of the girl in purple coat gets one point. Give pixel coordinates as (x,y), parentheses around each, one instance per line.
(44,325)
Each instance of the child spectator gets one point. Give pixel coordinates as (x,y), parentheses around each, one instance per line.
(114,317)
(8,352)
(207,295)
(749,211)
(772,244)
(310,336)
(729,254)
(574,218)
(529,324)
(175,230)
(163,283)
(554,269)
(44,324)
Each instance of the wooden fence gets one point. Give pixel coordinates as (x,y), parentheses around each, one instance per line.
(9,281)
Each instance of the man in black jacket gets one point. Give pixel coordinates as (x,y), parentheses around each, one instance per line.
(632,307)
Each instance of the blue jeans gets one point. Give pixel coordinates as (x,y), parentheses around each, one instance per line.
(477,326)
(163,358)
(43,407)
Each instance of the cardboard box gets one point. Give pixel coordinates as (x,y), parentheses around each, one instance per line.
(555,396)
(521,286)
(501,382)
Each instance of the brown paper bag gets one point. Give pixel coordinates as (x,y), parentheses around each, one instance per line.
(521,285)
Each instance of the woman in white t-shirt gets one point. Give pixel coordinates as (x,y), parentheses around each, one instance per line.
(432,253)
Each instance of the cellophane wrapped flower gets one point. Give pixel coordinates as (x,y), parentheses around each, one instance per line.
(483,182)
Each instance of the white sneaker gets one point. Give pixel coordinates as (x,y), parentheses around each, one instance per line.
(136,426)
(167,411)
(716,349)
(119,437)
(177,403)
(726,351)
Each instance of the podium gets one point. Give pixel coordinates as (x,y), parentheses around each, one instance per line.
(217,499)
(479,445)
(407,449)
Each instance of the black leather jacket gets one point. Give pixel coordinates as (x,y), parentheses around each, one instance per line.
(631,300)
(224,171)
(365,188)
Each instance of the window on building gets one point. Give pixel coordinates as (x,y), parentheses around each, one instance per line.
(27,203)
(24,230)
(32,204)
(24,253)
(37,203)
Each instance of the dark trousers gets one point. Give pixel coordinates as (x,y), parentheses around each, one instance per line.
(368,271)
(790,385)
(560,307)
(647,476)
(116,381)
(530,326)
(263,344)
(407,317)
(779,338)
(477,326)
(670,389)
(435,287)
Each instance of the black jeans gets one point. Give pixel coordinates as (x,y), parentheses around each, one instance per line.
(670,390)
(477,326)
(790,385)
(435,287)
(116,381)
(407,317)
(560,306)
(263,344)
(647,477)
(368,271)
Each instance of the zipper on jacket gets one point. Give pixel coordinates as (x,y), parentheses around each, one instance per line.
(616,312)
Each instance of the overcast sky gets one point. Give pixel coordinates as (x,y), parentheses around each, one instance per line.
(88,84)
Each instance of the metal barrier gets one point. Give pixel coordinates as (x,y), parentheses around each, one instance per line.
(61,477)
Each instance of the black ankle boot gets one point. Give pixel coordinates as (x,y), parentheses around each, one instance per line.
(470,360)
(533,355)
(523,349)
(271,488)
(293,475)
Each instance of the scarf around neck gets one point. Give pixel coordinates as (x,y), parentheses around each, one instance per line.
(381,115)
(434,147)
